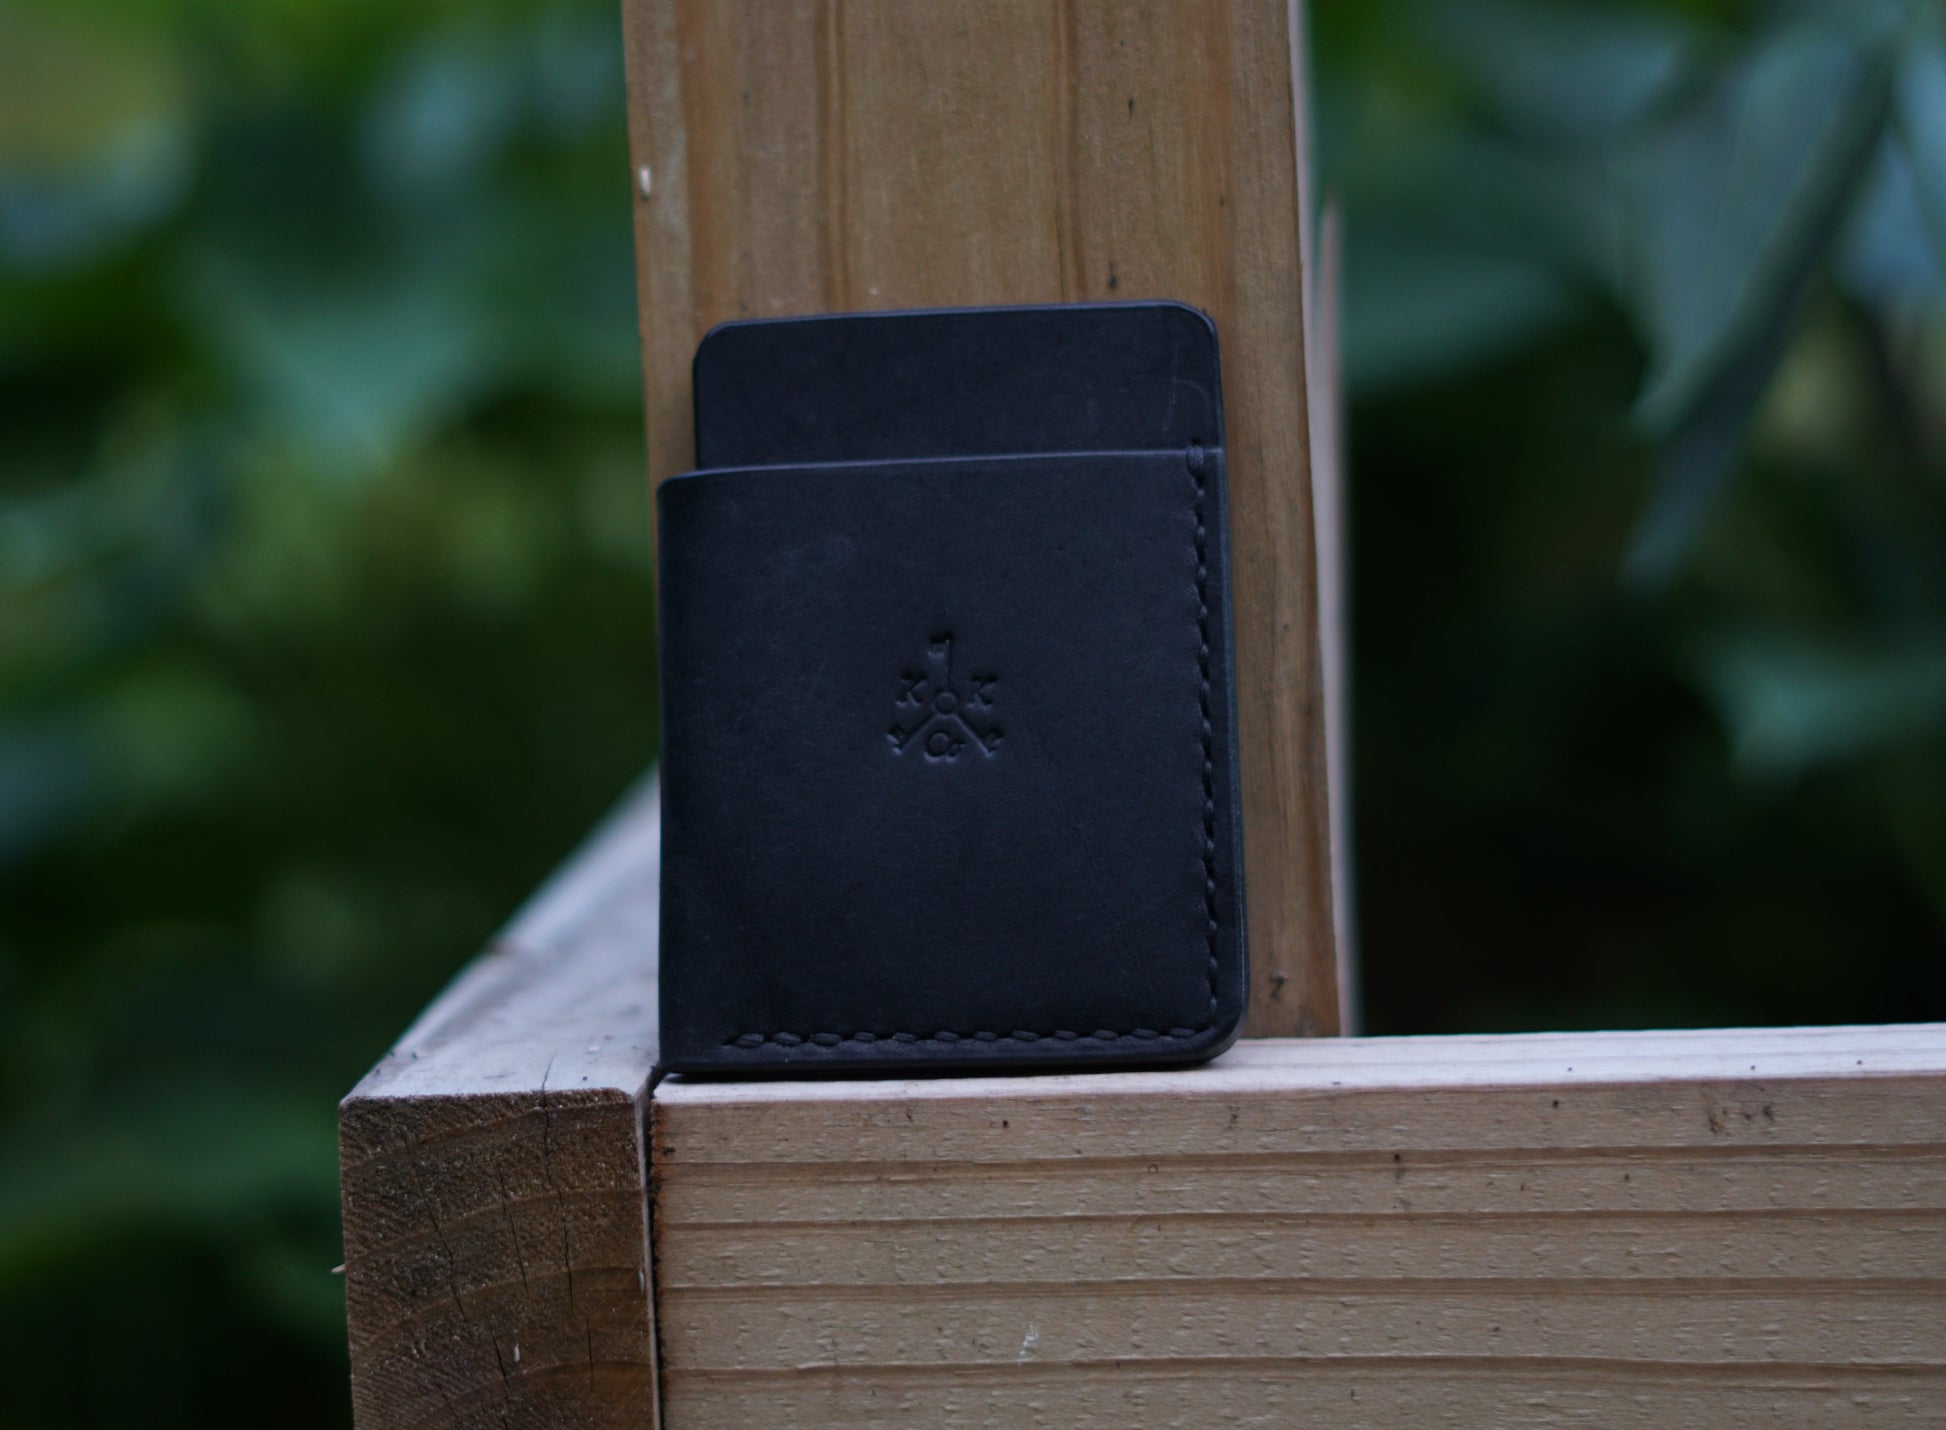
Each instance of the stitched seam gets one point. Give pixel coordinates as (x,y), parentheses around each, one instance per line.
(1197,464)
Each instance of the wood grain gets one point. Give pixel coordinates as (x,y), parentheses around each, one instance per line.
(493,1170)
(802,156)
(1673,1230)
(1678,1230)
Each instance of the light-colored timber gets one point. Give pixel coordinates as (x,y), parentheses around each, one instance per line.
(805,156)
(1681,1230)
(1677,1230)
(1329,502)
(493,1171)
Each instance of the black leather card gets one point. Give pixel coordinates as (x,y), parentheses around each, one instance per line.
(949,763)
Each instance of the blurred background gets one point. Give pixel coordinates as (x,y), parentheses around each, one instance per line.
(325,585)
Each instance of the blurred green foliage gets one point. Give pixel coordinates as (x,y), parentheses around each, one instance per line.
(325,623)
(325,628)
(1646,335)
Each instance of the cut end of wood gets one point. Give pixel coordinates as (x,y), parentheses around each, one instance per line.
(493,1169)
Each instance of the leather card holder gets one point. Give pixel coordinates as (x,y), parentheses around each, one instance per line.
(949,761)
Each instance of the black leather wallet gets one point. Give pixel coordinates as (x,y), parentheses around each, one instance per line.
(949,761)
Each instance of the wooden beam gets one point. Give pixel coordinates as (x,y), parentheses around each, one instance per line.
(800,157)
(493,1170)
(1681,1230)
(1671,1230)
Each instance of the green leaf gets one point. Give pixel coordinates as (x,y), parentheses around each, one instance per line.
(1417,308)
(70,88)
(1735,210)
(1889,257)
(443,116)
(95,138)
(1921,108)
(1735,203)
(1696,459)
(1567,72)
(47,780)
(355,366)
(1791,705)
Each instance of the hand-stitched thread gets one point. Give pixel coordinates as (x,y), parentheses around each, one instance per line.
(914,686)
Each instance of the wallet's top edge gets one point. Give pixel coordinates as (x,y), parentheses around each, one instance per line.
(956,382)
(874,315)
(893,465)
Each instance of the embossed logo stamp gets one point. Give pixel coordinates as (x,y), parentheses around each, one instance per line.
(940,716)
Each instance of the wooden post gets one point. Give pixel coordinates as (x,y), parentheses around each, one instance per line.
(804,156)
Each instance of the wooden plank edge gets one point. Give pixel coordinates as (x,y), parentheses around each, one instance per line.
(1329,496)
(494,1169)
(1429,1064)
(1670,1229)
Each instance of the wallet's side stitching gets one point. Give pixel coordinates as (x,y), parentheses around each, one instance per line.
(1197,463)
